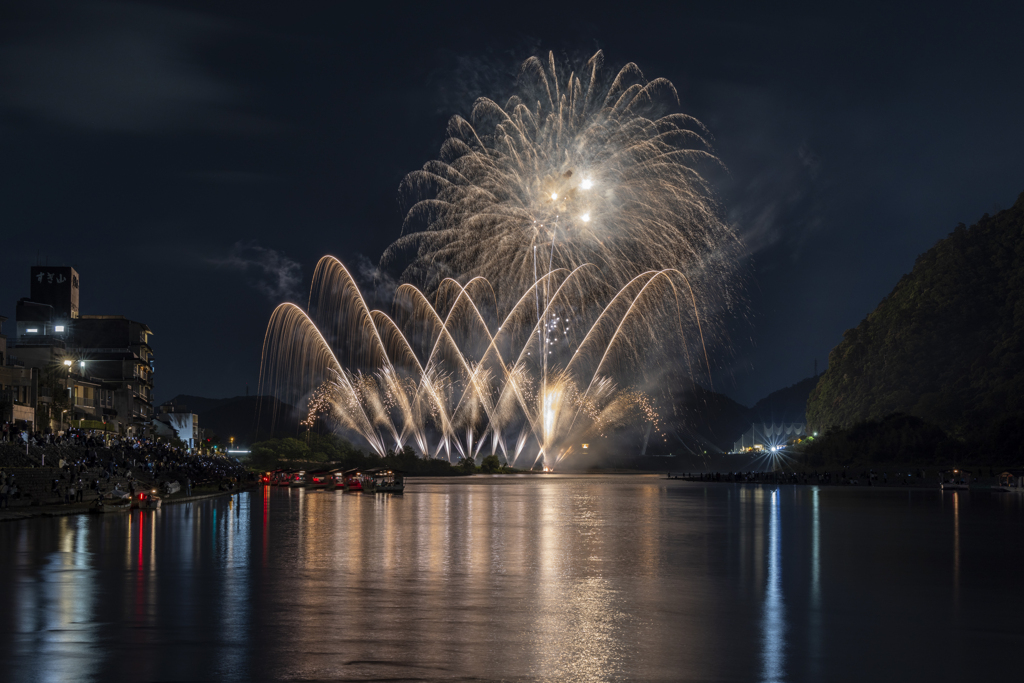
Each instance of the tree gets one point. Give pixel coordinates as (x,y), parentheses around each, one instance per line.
(490,465)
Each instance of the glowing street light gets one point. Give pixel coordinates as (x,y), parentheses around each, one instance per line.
(68,363)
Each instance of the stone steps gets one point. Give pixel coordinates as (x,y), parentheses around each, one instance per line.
(35,484)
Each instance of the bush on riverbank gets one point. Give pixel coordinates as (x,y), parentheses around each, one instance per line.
(905,439)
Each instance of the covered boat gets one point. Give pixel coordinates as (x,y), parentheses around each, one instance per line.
(321,479)
(386,480)
(356,480)
(147,501)
(1009,483)
(956,480)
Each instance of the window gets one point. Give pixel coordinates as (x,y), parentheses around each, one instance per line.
(58,328)
(32,330)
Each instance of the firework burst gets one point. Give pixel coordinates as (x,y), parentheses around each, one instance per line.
(577,167)
(447,378)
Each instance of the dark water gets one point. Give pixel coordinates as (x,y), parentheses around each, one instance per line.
(553,578)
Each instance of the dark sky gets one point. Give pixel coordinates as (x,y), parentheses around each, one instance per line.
(193,160)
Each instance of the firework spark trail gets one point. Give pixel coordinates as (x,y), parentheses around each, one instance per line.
(448,367)
(581,217)
(592,168)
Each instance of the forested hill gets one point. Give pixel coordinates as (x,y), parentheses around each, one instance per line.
(703,420)
(947,345)
(785,405)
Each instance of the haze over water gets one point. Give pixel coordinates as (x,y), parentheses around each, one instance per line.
(555,578)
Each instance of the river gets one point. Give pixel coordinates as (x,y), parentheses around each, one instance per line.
(551,578)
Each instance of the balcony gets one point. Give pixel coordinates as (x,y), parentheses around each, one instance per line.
(85,402)
(38,340)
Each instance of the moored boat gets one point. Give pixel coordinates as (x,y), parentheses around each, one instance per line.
(353,480)
(956,480)
(281,477)
(320,479)
(147,501)
(1009,483)
(386,481)
(118,504)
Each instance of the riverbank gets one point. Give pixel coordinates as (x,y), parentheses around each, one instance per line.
(17,513)
(894,479)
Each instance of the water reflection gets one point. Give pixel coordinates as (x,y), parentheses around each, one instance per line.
(956,547)
(773,624)
(236,613)
(531,578)
(57,609)
(814,636)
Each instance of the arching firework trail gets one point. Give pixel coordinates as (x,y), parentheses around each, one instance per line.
(449,379)
(577,167)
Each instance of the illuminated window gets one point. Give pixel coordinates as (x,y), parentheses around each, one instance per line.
(32,330)
(58,328)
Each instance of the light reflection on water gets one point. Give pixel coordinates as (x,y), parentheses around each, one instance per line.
(773,647)
(524,578)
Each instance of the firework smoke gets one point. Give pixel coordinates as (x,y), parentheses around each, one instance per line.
(449,379)
(578,167)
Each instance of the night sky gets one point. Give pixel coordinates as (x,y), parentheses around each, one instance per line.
(193,160)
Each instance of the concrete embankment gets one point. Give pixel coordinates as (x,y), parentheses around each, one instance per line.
(60,510)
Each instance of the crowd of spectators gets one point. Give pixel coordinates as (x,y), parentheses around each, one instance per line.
(94,461)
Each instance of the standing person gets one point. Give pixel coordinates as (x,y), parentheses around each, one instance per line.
(188,486)
(4,493)
(70,498)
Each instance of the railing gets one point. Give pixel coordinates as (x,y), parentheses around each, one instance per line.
(38,340)
(13,396)
(87,402)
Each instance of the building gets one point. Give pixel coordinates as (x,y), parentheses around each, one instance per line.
(93,371)
(178,421)
(56,287)
(19,388)
(114,354)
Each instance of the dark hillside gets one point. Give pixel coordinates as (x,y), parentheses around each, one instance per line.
(947,345)
(702,419)
(786,405)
